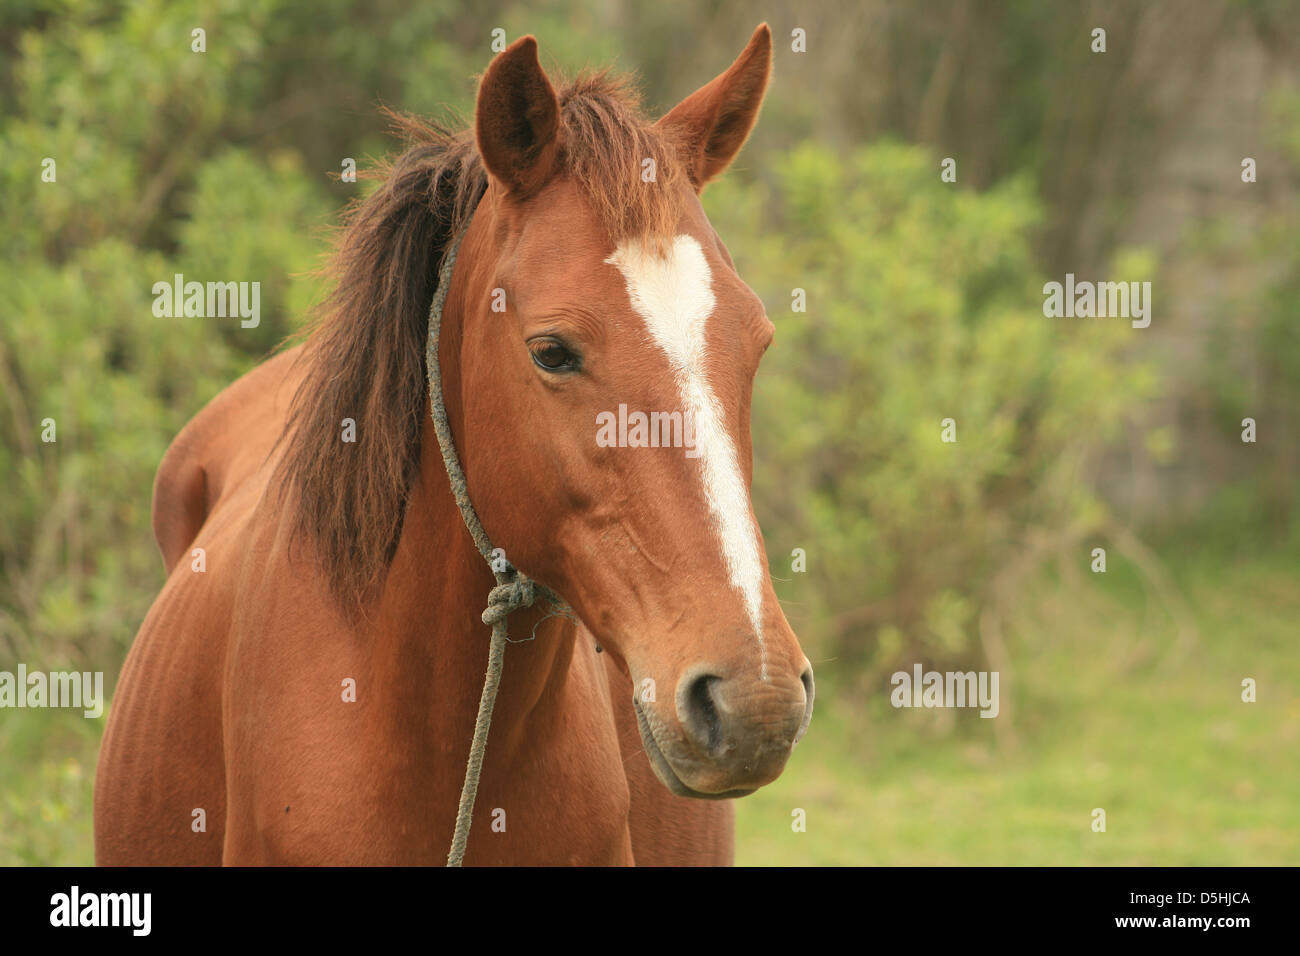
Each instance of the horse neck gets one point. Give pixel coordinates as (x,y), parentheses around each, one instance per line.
(437,588)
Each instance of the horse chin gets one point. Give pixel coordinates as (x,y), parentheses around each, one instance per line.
(664,770)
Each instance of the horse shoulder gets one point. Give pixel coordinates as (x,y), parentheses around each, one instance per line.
(224,445)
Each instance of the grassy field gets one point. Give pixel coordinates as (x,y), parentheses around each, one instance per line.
(1105,712)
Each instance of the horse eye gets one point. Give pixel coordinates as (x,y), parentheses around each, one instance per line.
(552,355)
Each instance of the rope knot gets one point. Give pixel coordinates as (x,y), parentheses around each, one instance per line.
(509,597)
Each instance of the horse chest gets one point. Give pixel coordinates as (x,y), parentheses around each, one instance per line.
(363,778)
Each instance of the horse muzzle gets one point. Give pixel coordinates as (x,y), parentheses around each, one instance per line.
(725,738)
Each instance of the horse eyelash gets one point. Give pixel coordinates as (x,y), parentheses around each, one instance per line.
(549,339)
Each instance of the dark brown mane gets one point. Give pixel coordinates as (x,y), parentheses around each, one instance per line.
(366,350)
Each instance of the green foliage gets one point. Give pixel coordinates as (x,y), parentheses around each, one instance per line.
(923,304)
(221,166)
(144,189)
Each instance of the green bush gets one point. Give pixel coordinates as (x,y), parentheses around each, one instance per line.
(923,304)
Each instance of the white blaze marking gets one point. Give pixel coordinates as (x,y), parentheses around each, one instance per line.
(674,296)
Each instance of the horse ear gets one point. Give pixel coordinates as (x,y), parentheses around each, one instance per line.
(517,120)
(715,120)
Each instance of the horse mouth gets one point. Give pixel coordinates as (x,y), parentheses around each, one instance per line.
(664,770)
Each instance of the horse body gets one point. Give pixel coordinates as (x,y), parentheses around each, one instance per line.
(263,718)
(299,757)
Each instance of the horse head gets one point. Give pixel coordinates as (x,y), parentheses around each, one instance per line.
(599,384)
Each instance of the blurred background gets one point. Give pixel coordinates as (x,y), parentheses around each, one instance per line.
(1120,690)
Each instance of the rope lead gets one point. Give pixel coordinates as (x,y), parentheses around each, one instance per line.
(513,589)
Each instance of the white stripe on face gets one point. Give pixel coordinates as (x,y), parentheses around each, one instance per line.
(674,296)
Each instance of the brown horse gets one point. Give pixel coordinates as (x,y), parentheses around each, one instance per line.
(303,690)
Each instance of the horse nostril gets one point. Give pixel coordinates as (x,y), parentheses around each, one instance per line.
(700,718)
(809,691)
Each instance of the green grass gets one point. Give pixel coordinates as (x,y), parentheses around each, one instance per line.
(47,771)
(1187,773)
(1102,713)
